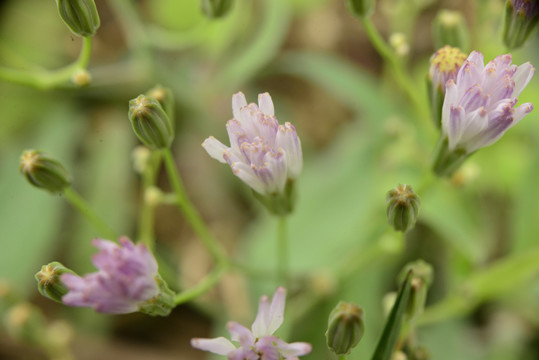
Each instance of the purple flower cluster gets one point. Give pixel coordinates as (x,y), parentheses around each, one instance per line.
(480,105)
(262,153)
(259,342)
(126,279)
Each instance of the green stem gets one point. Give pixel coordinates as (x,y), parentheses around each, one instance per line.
(46,79)
(405,82)
(147,211)
(342,357)
(190,212)
(202,287)
(283,271)
(82,206)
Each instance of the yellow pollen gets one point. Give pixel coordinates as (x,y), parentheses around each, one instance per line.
(448,59)
(141,105)
(28,160)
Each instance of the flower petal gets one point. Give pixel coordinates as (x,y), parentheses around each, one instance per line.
(240,334)
(215,148)
(522,77)
(238,101)
(265,104)
(220,345)
(288,140)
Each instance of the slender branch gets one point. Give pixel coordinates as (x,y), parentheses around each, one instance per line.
(202,287)
(46,79)
(190,212)
(82,206)
(283,270)
(147,211)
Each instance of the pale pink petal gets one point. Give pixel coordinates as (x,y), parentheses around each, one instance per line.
(288,140)
(238,101)
(276,311)
(265,104)
(220,345)
(455,126)
(246,173)
(260,325)
(522,77)
(240,334)
(215,148)
(289,351)
(521,111)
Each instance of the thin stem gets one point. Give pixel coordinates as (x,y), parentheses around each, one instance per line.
(342,357)
(190,212)
(46,79)
(147,211)
(402,78)
(283,271)
(82,206)
(202,287)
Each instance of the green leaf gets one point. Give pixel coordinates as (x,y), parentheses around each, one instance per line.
(390,335)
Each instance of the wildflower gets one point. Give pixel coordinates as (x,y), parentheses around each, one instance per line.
(259,342)
(126,281)
(479,107)
(265,155)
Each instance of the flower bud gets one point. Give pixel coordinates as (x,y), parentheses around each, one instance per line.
(444,65)
(360,7)
(165,98)
(216,8)
(43,171)
(80,16)
(141,156)
(49,283)
(521,16)
(421,281)
(81,78)
(345,328)
(402,207)
(399,43)
(150,122)
(449,28)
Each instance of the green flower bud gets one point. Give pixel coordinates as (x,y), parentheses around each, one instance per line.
(345,328)
(165,97)
(449,28)
(521,16)
(402,207)
(80,16)
(43,171)
(162,304)
(150,122)
(216,8)
(421,281)
(49,283)
(360,7)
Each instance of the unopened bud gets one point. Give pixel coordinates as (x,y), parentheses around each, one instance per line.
(399,43)
(216,8)
(43,171)
(450,29)
(444,65)
(153,196)
(360,8)
(80,16)
(81,78)
(521,16)
(49,283)
(141,158)
(345,328)
(165,97)
(421,281)
(150,122)
(402,207)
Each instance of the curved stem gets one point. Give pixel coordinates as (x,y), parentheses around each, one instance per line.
(282,251)
(147,211)
(402,78)
(202,287)
(46,79)
(82,206)
(190,212)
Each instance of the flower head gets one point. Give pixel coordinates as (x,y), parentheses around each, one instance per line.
(125,280)
(479,106)
(259,343)
(262,153)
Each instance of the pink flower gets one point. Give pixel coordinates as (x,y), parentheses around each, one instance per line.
(480,105)
(126,279)
(259,342)
(262,153)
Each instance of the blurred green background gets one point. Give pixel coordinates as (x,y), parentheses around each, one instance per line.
(360,138)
